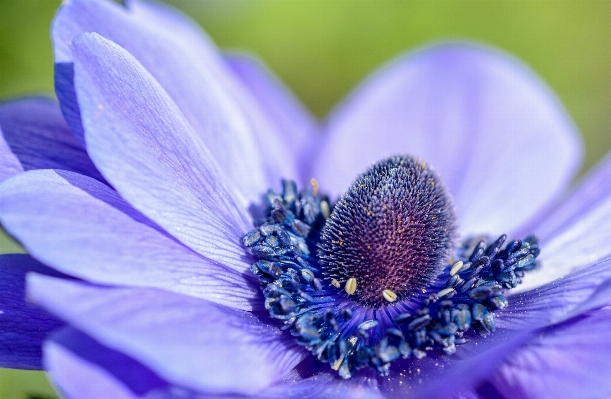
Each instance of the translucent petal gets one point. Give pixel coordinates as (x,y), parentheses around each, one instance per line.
(83,228)
(495,133)
(23,326)
(189,68)
(141,143)
(186,341)
(36,136)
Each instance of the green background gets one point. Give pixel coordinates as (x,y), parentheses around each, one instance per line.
(322,49)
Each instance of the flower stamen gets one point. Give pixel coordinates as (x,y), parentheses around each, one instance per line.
(350,287)
(326,317)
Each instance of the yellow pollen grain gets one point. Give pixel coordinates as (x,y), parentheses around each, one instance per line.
(338,363)
(455,268)
(335,283)
(350,286)
(325,209)
(389,295)
(351,343)
(444,292)
(315,186)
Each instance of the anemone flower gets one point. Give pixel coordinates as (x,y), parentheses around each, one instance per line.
(181,248)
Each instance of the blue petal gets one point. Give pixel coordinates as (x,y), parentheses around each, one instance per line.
(325,385)
(64,90)
(497,136)
(37,137)
(591,192)
(102,370)
(9,163)
(439,376)
(194,75)
(560,299)
(578,244)
(577,232)
(23,326)
(141,143)
(102,373)
(68,220)
(299,128)
(570,360)
(186,341)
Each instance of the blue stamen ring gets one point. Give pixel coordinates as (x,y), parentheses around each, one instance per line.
(372,325)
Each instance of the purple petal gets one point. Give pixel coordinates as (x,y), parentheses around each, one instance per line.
(559,300)
(592,190)
(187,341)
(326,385)
(9,163)
(298,126)
(435,376)
(577,232)
(64,90)
(438,376)
(577,244)
(141,143)
(497,136)
(567,361)
(92,382)
(72,350)
(23,326)
(312,379)
(102,373)
(470,394)
(36,134)
(83,228)
(189,68)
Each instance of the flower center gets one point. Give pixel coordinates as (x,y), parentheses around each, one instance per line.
(380,287)
(390,235)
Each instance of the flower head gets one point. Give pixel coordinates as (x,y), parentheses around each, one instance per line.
(142,200)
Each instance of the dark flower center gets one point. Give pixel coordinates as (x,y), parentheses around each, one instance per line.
(381,288)
(390,235)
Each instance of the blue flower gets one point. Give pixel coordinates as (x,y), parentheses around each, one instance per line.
(134,200)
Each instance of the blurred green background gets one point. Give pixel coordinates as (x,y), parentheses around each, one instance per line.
(322,49)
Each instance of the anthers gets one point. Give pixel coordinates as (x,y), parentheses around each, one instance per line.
(323,315)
